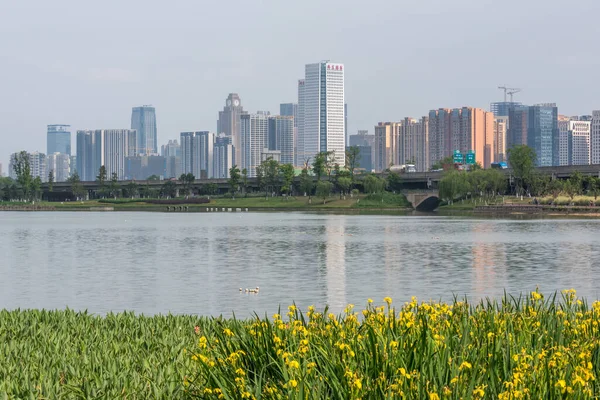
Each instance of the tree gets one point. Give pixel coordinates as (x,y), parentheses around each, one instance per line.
(168,189)
(522,160)
(318,165)
(330,163)
(594,186)
(22,169)
(324,190)
(76,186)
(556,188)
(50,180)
(306,182)
(570,189)
(260,179)
(352,159)
(394,181)
(244,180)
(114,185)
(210,188)
(131,189)
(453,185)
(344,183)
(287,178)
(373,184)
(270,169)
(446,163)
(36,188)
(234,180)
(576,180)
(101,179)
(187,180)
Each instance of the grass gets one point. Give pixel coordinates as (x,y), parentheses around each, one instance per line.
(257,202)
(528,347)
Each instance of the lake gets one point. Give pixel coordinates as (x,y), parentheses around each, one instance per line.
(195,263)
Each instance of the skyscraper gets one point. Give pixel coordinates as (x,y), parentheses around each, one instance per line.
(254,140)
(300,153)
(595,137)
(386,134)
(291,110)
(500,123)
(464,129)
(502,108)
(412,143)
(37,166)
(518,119)
(143,120)
(580,131)
(58,139)
(229,121)
(322,106)
(172,154)
(223,156)
(281,137)
(565,141)
(346,124)
(543,134)
(197,153)
(60,165)
(104,147)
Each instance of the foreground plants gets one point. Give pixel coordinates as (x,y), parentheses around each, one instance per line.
(520,348)
(529,347)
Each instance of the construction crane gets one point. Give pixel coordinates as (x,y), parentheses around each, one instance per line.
(509,91)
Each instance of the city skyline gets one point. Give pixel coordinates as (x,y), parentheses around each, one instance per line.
(170,67)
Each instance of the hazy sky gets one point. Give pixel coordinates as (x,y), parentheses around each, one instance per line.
(87,63)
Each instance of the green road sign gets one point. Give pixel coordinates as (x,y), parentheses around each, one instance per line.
(471,157)
(458,157)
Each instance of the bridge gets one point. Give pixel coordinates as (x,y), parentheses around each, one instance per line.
(420,181)
(423,200)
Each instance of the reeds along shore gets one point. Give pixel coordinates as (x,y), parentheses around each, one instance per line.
(528,347)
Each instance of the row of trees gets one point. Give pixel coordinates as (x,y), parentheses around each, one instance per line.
(485,183)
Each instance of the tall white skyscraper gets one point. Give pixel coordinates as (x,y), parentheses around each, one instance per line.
(60,165)
(579,131)
(37,166)
(595,137)
(255,139)
(116,145)
(321,125)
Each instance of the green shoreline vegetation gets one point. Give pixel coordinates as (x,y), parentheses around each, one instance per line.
(527,347)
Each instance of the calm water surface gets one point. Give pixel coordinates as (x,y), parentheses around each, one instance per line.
(195,263)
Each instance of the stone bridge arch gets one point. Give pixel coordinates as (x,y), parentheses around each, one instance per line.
(424,201)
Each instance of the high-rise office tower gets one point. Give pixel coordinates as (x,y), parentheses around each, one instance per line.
(322,106)
(1,172)
(229,121)
(197,153)
(291,110)
(104,147)
(223,156)
(386,146)
(255,139)
(143,120)
(518,119)
(172,154)
(281,137)
(361,138)
(543,134)
(60,165)
(300,153)
(595,137)
(58,139)
(580,132)
(500,123)
(502,108)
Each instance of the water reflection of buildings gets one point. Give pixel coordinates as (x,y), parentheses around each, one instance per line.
(335,261)
(489,262)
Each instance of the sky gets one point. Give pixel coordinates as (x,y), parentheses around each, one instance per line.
(88,63)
